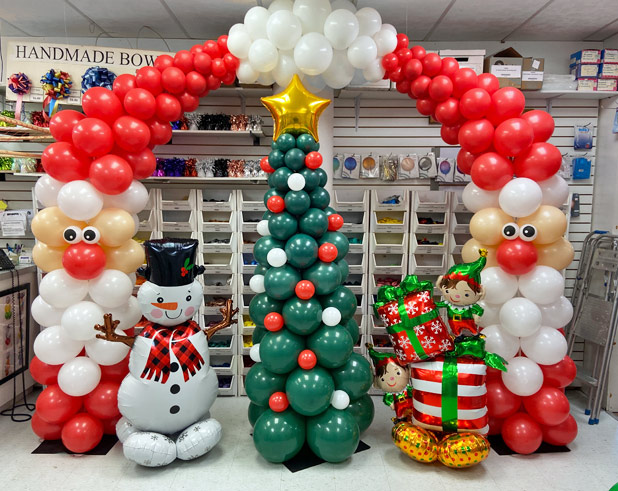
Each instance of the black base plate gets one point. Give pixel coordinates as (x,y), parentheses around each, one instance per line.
(306,458)
(497,444)
(56,446)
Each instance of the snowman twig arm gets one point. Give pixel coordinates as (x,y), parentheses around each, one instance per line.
(227,312)
(109,332)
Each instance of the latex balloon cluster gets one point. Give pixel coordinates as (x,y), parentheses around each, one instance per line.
(327,45)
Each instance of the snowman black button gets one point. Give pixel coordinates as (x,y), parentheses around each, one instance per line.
(174,409)
(174,367)
(175,389)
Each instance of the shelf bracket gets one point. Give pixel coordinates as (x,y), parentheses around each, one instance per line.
(256,139)
(549,104)
(356,111)
(243,102)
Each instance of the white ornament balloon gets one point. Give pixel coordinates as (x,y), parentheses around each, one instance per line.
(256,19)
(547,347)
(277,5)
(312,14)
(331,316)
(238,41)
(500,286)
(136,223)
(256,283)
(263,55)
(106,352)
(362,52)
(314,83)
(296,182)
(474,198)
(254,353)
(46,190)
(369,21)
(60,290)
(276,257)
(133,200)
(266,78)
(44,314)
(54,346)
(245,73)
(375,71)
(262,228)
(520,197)
(238,27)
(340,72)
(128,314)
(390,27)
(79,376)
(284,29)
(386,40)
(543,285)
(313,53)
(557,314)
(80,200)
(285,70)
(520,317)
(555,191)
(111,288)
(341,28)
(79,320)
(344,4)
(523,377)
(499,341)
(340,399)
(491,314)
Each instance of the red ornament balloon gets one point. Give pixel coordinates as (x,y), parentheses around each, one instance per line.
(449,66)
(218,67)
(549,406)
(404,55)
(304,289)
(82,433)
(111,174)
(494,374)
(327,252)
(450,134)
(93,136)
(413,69)
(130,133)
(212,48)
(168,107)
(229,78)
(559,375)
(183,59)
(447,112)
(488,82)
(196,83)
(278,402)
(521,433)
(542,124)
(495,426)
(402,41)
(173,80)
(432,64)
(512,137)
(43,429)
(123,84)
(490,171)
(390,62)
(516,256)
(275,204)
(403,86)
(476,136)
(506,103)
(501,402)
(335,222)
(231,62)
(222,44)
(149,78)
(163,61)
(188,102)
(561,434)
(117,372)
(202,63)
(109,425)
(425,106)
(440,88)
(62,123)
(420,87)
(43,373)
(196,48)
(396,75)
(140,103)
(142,163)
(102,402)
(160,132)
(313,160)
(475,103)
(307,359)
(273,321)
(539,162)
(418,52)
(56,407)
(465,160)
(265,166)
(84,261)
(64,162)
(102,103)
(213,82)
(464,79)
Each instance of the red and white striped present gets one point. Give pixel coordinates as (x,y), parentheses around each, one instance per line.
(450,394)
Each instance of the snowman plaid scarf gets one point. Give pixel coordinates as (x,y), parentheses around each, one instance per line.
(159,362)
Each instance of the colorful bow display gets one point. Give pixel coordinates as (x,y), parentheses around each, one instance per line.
(56,85)
(98,77)
(20,85)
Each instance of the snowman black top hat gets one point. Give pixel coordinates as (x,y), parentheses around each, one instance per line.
(171,262)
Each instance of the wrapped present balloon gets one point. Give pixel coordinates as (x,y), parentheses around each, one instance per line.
(20,85)
(412,320)
(449,391)
(97,76)
(56,86)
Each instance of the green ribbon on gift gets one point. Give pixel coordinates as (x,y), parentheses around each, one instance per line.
(410,284)
(408,325)
(475,346)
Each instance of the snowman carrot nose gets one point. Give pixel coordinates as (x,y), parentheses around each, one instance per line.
(166,305)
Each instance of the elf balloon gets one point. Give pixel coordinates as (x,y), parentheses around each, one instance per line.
(170,386)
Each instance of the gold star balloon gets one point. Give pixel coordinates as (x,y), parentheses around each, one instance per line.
(295,110)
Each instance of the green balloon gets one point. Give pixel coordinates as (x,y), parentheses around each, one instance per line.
(282,225)
(279,179)
(353,329)
(329,210)
(279,350)
(309,391)
(254,412)
(258,334)
(311,179)
(279,436)
(272,192)
(259,269)
(302,316)
(345,269)
(354,377)
(301,250)
(313,222)
(280,282)
(326,277)
(273,145)
(261,305)
(332,345)
(323,177)
(319,198)
(263,246)
(344,300)
(267,214)
(276,159)
(297,202)
(294,159)
(286,142)
(339,240)
(307,143)
(363,411)
(333,435)
(260,384)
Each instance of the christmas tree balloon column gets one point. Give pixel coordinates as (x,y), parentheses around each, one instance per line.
(307,384)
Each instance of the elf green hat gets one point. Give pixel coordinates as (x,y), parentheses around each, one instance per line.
(469,272)
(381,359)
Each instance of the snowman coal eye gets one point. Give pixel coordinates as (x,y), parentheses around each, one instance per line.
(72,234)
(160,300)
(528,233)
(188,299)
(510,231)
(91,235)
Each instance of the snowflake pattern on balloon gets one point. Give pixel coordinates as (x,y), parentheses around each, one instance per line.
(428,342)
(419,330)
(404,342)
(436,327)
(446,345)
(424,296)
(411,309)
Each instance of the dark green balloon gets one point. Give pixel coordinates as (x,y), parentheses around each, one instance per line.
(279,350)
(272,192)
(345,269)
(301,250)
(259,269)
(326,277)
(267,214)
(353,329)
(302,316)
(280,282)
(309,391)
(261,305)
(332,345)
(333,435)
(313,222)
(260,384)
(339,240)
(263,246)
(279,436)
(279,179)
(282,225)
(286,142)
(363,411)
(307,143)
(323,177)
(294,159)
(311,179)
(273,145)
(258,333)
(276,159)
(269,181)
(354,377)
(254,412)
(329,210)
(319,198)
(297,202)
(344,300)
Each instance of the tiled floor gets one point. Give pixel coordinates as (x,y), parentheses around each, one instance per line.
(235,465)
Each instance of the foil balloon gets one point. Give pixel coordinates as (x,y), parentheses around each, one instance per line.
(463,450)
(417,443)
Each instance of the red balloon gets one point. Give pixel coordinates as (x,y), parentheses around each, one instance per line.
(561,434)
(149,78)
(231,62)
(440,88)
(307,359)
(173,80)
(117,372)
(168,107)
(335,222)
(62,123)
(163,61)
(447,112)
(304,289)
(183,59)
(84,261)
(413,69)
(494,374)
(140,103)
(465,160)
(390,62)
(313,160)
(425,106)
(449,66)
(516,256)
(404,55)
(109,425)
(213,82)
(111,174)
(196,83)
(229,78)
(160,132)
(64,162)
(130,133)
(506,103)
(56,407)
(396,75)
(450,134)
(222,43)
(143,163)
(278,402)
(476,136)
(275,204)
(501,402)
(188,102)
(212,48)
(218,67)
(102,103)
(495,426)
(196,48)
(202,63)
(432,64)
(45,430)
(539,162)
(43,373)
(273,321)
(327,252)
(549,406)
(522,434)
(512,137)
(93,136)
(464,79)
(542,124)
(418,52)
(265,166)
(102,402)
(489,82)
(475,103)
(402,41)
(559,375)
(490,171)
(403,86)
(82,433)
(123,84)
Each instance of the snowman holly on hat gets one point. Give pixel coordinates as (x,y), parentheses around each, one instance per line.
(166,397)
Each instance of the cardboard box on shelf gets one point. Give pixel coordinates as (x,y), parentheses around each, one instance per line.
(609,56)
(532,73)
(585,71)
(607,85)
(608,70)
(586,56)
(467,58)
(587,84)
(515,70)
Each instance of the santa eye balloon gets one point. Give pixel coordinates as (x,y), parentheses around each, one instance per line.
(91,235)
(510,231)
(528,233)
(72,234)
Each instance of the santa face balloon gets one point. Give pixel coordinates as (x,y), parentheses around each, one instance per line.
(169,306)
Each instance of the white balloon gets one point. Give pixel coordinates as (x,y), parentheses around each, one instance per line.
(331,316)
(340,72)
(557,314)
(280,5)
(133,278)
(314,83)
(124,429)
(245,73)
(44,314)
(543,285)
(79,376)
(341,28)
(375,71)
(54,346)
(358,78)
(111,288)
(136,223)
(79,320)
(133,200)
(254,353)
(491,314)
(520,197)
(499,341)
(256,283)
(263,55)
(523,377)
(276,257)
(238,27)
(284,29)
(80,200)
(547,347)
(266,78)
(313,53)
(312,14)
(390,27)
(46,190)
(362,52)
(60,290)
(343,4)
(369,21)
(500,286)
(128,314)
(340,399)
(255,22)
(285,70)
(238,41)
(106,352)
(262,228)
(296,182)
(555,191)
(520,317)
(474,198)
(386,40)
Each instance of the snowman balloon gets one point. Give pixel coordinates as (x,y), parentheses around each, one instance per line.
(166,397)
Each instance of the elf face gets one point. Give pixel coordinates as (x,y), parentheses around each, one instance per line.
(461,294)
(169,305)
(394,378)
